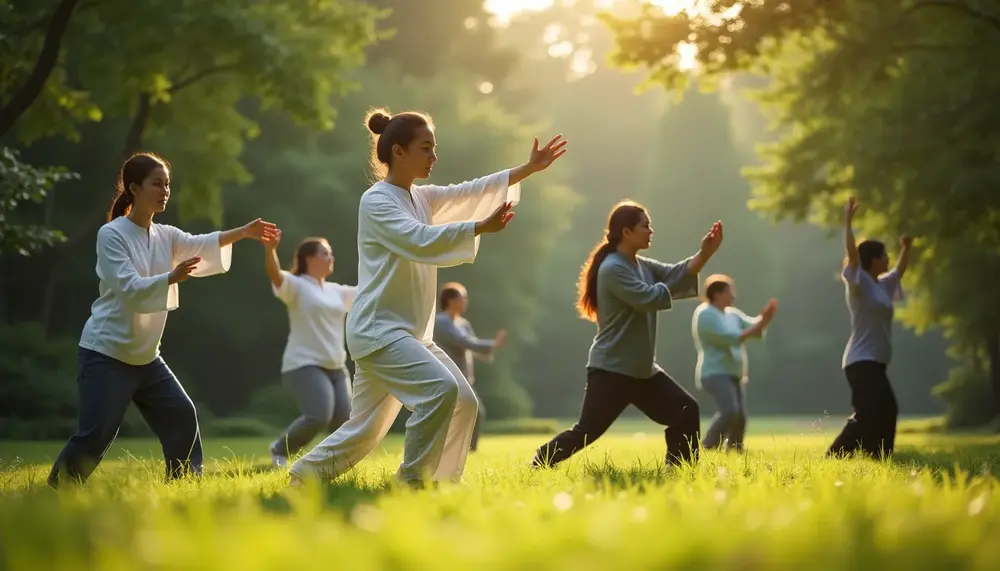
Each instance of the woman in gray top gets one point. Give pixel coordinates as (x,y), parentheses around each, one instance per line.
(871,291)
(622,292)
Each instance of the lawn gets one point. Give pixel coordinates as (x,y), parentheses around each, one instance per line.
(782,506)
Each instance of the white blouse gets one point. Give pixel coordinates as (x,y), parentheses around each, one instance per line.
(316,313)
(133,266)
(403,238)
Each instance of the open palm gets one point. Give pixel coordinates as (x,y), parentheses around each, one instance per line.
(541,158)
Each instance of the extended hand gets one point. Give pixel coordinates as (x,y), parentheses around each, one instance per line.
(271,241)
(851,208)
(540,159)
(260,230)
(183,270)
(906,241)
(499,339)
(770,309)
(710,242)
(496,221)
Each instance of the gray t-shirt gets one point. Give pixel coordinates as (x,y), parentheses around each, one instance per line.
(629,294)
(459,341)
(870,302)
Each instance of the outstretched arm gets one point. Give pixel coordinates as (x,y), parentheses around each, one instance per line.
(475,199)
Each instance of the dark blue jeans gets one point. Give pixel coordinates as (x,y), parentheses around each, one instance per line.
(106,386)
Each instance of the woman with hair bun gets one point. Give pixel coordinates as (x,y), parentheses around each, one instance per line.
(405,233)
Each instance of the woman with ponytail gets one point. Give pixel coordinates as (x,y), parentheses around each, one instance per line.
(139,266)
(405,233)
(313,367)
(622,292)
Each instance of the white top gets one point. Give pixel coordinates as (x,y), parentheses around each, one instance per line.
(133,266)
(316,312)
(403,237)
(871,303)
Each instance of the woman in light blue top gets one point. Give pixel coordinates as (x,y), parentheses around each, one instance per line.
(719,332)
(871,291)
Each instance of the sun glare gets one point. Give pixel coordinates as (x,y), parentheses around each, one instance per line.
(504,10)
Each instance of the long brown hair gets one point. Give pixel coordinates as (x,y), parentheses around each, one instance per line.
(625,214)
(309,247)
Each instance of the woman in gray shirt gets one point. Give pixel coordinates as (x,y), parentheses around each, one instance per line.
(871,291)
(622,292)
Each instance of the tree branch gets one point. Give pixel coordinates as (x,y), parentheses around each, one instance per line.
(200,75)
(40,23)
(961,7)
(44,65)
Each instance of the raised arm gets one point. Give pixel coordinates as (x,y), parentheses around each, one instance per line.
(626,286)
(850,245)
(272,265)
(115,268)
(905,243)
(710,244)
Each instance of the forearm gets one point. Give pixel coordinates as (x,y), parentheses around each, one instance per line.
(232,236)
(698,262)
(755,330)
(519,173)
(850,245)
(272,267)
(904,260)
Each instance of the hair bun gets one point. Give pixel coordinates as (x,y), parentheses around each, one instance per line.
(378,121)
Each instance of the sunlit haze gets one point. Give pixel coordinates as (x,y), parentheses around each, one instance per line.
(505,10)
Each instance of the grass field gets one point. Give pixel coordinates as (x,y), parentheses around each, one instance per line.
(936,506)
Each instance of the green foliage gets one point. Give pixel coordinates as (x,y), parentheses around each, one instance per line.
(182,95)
(37,392)
(876,100)
(21,183)
(969,396)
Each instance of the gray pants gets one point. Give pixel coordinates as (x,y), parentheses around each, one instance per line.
(480,418)
(730,422)
(324,399)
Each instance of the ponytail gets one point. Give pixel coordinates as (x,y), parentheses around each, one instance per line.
(121,204)
(625,214)
(586,305)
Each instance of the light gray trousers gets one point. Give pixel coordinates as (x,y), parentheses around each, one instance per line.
(324,399)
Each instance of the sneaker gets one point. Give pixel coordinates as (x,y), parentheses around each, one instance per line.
(279,460)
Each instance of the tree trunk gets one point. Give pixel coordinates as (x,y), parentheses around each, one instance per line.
(133,143)
(46,62)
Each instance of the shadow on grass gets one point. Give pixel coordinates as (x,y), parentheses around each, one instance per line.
(980,459)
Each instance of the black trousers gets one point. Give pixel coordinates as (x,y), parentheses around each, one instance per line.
(872,427)
(605,398)
(106,388)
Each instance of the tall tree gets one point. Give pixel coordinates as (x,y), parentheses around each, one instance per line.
(882,99)
(186,98)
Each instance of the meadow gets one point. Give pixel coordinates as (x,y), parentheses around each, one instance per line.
(934,506)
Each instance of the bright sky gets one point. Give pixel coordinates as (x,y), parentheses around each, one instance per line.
(505,9)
